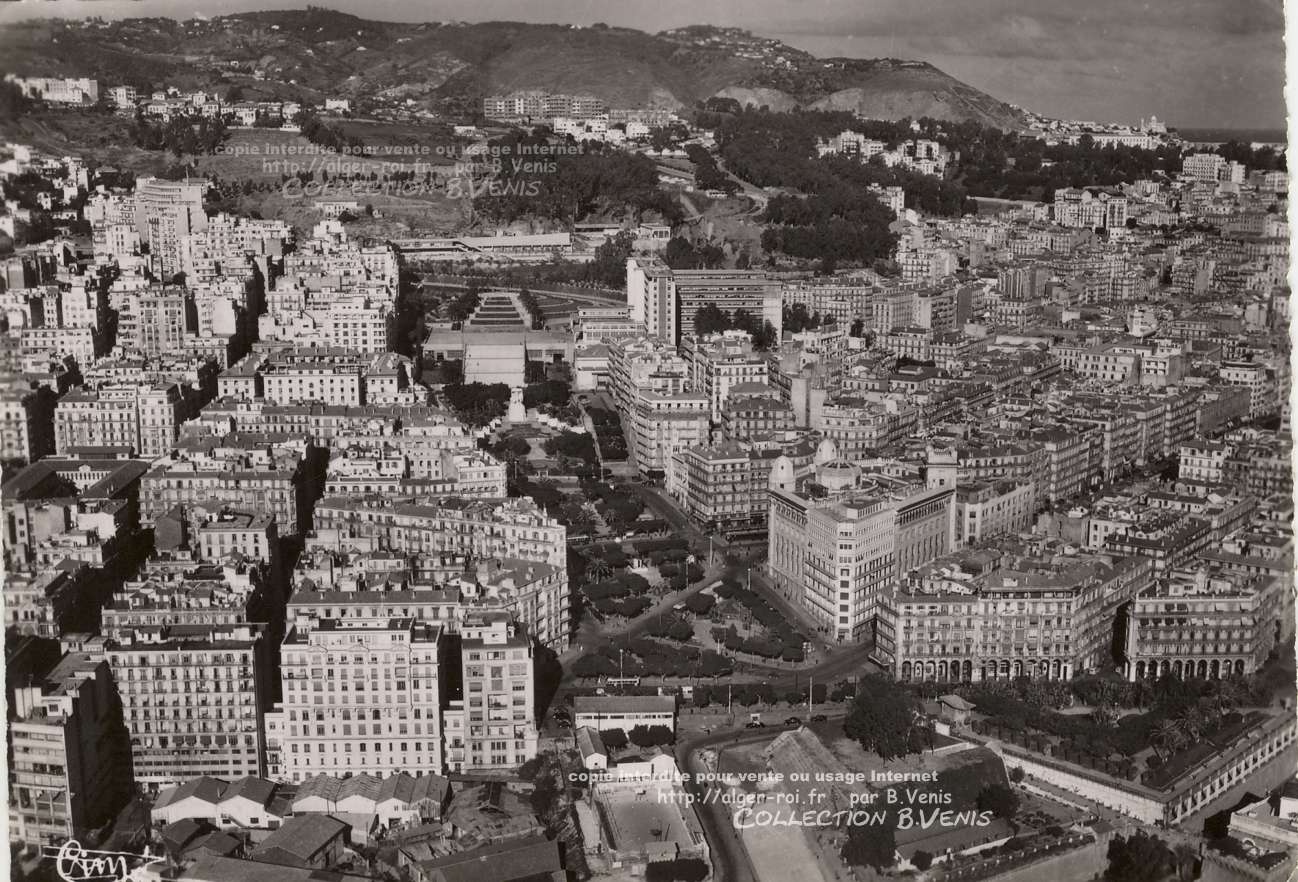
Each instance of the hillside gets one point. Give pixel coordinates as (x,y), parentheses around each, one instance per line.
(448,67)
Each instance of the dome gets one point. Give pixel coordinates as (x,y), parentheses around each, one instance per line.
(827,451)
(837,474)
(782,477)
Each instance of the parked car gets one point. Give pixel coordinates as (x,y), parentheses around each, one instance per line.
(818,718)
(756,725)
(793,721)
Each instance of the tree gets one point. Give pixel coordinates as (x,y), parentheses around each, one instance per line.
(700,604)
(764,337)
(922,860)
(1017,774)
(871,845)
(609,265)
(858,328)
(614,739)
(998,799)
(661,735)
(1139,858)
(796,319)
(598,569)
(882,717)
(642,737)
(709,319)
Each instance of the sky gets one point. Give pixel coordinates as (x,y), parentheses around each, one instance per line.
(1193,63)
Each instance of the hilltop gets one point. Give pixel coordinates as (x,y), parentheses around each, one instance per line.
(448,67)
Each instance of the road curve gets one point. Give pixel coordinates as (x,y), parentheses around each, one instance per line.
(730,861)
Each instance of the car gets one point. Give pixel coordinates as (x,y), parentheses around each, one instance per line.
(755,725)
(793,721)
(818,718)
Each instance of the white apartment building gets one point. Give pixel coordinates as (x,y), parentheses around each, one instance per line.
(165,213)
(493,726)
(1203,461)
(838,555)
(339,384)
(359,697)
(494,528)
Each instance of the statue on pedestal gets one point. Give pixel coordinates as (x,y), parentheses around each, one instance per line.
(517,413)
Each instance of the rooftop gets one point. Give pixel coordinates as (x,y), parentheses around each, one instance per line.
(605,704)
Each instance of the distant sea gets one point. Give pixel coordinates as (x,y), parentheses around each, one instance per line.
(1248,136)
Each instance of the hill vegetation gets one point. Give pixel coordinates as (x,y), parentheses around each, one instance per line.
(449,67)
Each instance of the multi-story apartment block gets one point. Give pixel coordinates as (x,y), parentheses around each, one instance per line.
(193,700)
(719,363)
(985,510)
(645,365)
(720,488)
(70,764)
(337,384)
(1203,461)
(493,725)
(173,591)
(58,90)
(753,412)
(54,500)
(935,310)
(1076,207)
(662,425)
(1203,621)
(531,594)
(845,301)
(372,466)
(1203,166)
(226,244)
(156,320)
(107,418)
(514,531)
(860,426)
(841,553)
(277,476)
(167,212)
(723,488)
(359,697)
(229,533)
(997,614)
(667,300)
(485,528)
(26,422)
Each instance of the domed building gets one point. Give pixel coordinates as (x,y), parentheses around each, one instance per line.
(826,452)
(838,474)
(783,476)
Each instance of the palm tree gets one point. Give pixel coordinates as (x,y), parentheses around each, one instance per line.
(1168,735)
(1233,693)
(598,570)
(1192,724)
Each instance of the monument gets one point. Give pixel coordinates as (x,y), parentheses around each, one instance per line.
(517,413)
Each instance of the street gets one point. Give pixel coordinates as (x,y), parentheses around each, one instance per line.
(730,860)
